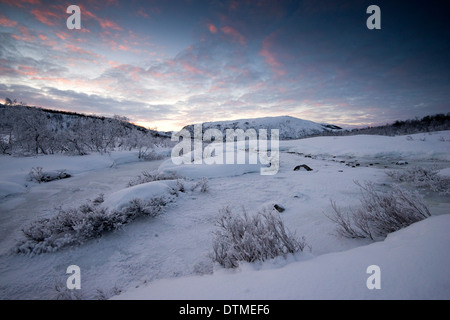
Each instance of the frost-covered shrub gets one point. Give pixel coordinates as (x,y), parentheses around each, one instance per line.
(105,295)
(138,207)
(252,238)
(75,226)
(4,147)
(146,176)
(380,213)
(202,183)
(38,175)
(99,199)
(64,293)
(422,178)
(149,155)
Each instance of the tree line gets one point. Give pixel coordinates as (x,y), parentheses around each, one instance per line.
(431,123)
(28,130)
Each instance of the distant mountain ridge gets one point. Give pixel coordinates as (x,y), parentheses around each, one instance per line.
(289,127)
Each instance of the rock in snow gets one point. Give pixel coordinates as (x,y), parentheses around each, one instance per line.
(302,167)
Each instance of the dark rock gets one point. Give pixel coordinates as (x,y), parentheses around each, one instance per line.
(304,166)
(278,208)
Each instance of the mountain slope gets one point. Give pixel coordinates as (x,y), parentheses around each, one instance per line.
(290,127)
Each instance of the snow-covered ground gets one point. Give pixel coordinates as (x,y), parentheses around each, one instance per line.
(341,275)
(166,257)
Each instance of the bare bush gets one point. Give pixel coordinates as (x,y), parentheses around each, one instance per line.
(252,238)
(64,293)
(146,176)
(149,155)
(105,295)
(36,174)
(422,178)
(203,184)
(380,213)
(138,207)
(99,199)
(77,225)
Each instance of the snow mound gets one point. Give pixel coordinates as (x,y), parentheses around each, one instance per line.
(413,262)
(146,191)
(10,188)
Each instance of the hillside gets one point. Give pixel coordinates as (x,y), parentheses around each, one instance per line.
(26,130)
(290,127)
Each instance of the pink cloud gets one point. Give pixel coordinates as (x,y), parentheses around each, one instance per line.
(46,16)
(5,22)
(104,23)
(26,70)
(212,28)
(76,49)
(47,41)
(236,35)
(141,12)
(233,5)
(25,34)
(63,35)
(191,68)
(19,3)
(270,57)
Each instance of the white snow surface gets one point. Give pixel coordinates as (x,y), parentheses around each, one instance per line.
(420,147)
(158,254)
(10,188)
(197,171)
(413,262)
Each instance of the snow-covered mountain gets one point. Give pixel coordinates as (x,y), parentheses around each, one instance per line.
(290,127)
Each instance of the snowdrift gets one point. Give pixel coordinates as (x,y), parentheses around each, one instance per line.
(122,198)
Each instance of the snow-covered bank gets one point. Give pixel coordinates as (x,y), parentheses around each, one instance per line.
(414,264)
(420,146)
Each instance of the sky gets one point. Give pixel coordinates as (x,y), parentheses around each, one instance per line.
(170,63)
